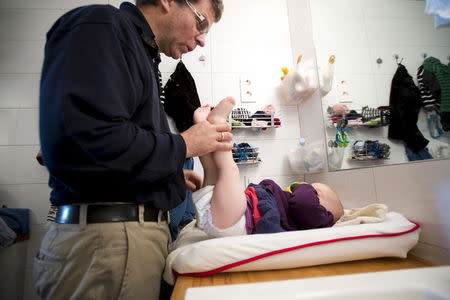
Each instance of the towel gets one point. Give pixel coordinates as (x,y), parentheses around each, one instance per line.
(7,235)
(439,149)
(17,219)
(373,213)
(441,11)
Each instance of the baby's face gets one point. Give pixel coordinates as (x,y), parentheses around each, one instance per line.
(329,199)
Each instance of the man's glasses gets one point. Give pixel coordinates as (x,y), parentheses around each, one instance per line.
(202,22)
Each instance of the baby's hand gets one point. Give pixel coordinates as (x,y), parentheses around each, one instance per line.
(193,181)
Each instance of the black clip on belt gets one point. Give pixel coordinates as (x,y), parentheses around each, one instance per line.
(105,213)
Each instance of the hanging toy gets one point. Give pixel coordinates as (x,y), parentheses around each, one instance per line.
(342,138)
(285,71)
(326,76)
(299,83)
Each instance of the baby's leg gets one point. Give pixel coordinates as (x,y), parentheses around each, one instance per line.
(229,202)
(209,167)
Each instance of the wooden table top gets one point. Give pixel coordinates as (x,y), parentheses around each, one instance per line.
(352,267)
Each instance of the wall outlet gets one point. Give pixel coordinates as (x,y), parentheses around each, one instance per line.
(344,92)
(247,90)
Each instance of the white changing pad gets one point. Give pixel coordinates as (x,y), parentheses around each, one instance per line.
(198,255)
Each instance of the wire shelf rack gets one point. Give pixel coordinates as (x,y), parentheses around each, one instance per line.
(244,153)
(365,117)
(243,118)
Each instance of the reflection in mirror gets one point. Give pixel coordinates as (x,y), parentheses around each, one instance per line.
(385,81)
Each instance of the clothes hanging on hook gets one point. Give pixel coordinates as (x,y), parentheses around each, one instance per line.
(405,104)
(181,97)
(430,91)
(442,73)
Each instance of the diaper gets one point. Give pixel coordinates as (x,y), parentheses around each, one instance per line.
(202,203)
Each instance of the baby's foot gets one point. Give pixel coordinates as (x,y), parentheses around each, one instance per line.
(221,111)
(201,113)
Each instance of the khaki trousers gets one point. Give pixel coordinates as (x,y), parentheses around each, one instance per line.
(121,260)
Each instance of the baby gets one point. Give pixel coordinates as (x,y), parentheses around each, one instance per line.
(224,208)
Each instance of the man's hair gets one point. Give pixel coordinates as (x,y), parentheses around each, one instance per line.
(217,5)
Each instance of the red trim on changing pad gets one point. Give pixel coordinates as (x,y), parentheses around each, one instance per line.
(248,260)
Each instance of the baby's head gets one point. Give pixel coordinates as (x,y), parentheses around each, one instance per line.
(329,199)
(314,206)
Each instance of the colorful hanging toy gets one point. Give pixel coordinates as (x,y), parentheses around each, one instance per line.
(342,138)
(285,71)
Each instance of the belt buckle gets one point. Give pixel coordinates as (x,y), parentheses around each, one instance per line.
(68,214)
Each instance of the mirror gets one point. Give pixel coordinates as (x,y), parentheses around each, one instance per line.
(368,39)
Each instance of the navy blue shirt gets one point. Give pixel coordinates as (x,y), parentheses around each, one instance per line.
(103,130)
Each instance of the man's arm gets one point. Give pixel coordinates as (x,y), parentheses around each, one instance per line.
(89,97)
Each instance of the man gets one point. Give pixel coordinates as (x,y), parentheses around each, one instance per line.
(115,168)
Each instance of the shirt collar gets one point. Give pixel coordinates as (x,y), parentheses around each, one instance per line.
(135,15)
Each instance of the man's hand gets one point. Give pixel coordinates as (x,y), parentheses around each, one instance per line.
(193,181)
(203,138)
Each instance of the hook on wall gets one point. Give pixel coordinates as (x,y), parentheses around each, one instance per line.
(396,56)
(379,60)
(424,55)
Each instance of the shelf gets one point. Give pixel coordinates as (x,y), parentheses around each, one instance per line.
(367,158)
(254,127)
(370,150)
(241,118)
(365,117)
(244,153)
(334,124)
(249,162)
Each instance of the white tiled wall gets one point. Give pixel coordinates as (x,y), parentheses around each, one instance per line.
(19,91)
(359,32)
(243,43)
